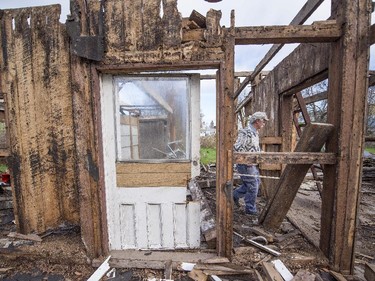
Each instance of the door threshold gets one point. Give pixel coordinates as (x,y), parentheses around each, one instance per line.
(154,259)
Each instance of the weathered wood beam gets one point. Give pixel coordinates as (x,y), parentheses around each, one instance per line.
(316,97)
(312,140)
(318,32)
(346,111)
(306,11)
(236,74)
(292,158)
(146,67)
(244,102)
(372,34)
(225,124)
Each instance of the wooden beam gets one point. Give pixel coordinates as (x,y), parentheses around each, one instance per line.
(236,74)
(372,34)
(346,111)
(313,138)
(300,18)
(316,97)
(292,158)
(318,32)
(225,124)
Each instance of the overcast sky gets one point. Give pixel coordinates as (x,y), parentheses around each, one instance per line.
(247,13)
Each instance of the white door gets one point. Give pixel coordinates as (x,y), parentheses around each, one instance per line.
(150,128)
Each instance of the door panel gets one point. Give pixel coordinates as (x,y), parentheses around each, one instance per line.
(152,214)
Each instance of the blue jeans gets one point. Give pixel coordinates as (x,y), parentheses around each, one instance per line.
(249,187)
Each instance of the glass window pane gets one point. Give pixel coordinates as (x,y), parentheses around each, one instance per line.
(153,118)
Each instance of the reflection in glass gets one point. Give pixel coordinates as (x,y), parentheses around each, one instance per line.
(152,117)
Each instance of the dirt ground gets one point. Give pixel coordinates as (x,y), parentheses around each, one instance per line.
(61,254)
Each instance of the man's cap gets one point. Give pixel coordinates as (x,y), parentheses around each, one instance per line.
(258,115)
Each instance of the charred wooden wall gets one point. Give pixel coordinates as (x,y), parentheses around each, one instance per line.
(35,80)
(52,97)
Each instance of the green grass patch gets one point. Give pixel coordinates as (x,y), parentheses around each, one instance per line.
(3,168)
(370,149)
(208,155)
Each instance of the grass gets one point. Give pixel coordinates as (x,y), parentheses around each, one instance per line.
(208,155)
(370,149)
(3,168)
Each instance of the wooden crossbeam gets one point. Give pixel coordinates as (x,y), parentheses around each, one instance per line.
(313,138)
(300,18)
(292,158)
(327,31)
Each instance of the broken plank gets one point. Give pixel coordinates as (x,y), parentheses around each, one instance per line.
(101,271)
(281,268)
(168,270)
(217,260)
(31,237)
(222,269)
(197,275)
(198,18)
(271,273)
(369,272)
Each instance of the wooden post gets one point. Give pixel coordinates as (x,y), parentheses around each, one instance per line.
(224,176)
(346,111)
(313,138)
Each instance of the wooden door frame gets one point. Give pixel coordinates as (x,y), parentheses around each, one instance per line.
(223,82)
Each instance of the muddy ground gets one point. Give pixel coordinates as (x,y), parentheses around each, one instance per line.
(61,254)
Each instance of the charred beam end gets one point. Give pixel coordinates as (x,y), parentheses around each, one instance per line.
(296,158)
(317,32)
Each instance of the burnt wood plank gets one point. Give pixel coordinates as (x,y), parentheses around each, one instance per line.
(225,125)
(92,215)
(313,138)
(346,111)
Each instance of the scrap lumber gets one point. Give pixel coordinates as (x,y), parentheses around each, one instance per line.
(271,272)
(223,269)
(198,18)
(312,140)
(168,270)
(369,272)
(208,226)
(101,271)
(31,237)
(281,268)
(197,275)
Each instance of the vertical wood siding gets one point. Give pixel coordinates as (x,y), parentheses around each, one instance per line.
(35,79)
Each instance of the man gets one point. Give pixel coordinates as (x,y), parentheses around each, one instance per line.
(248,141)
